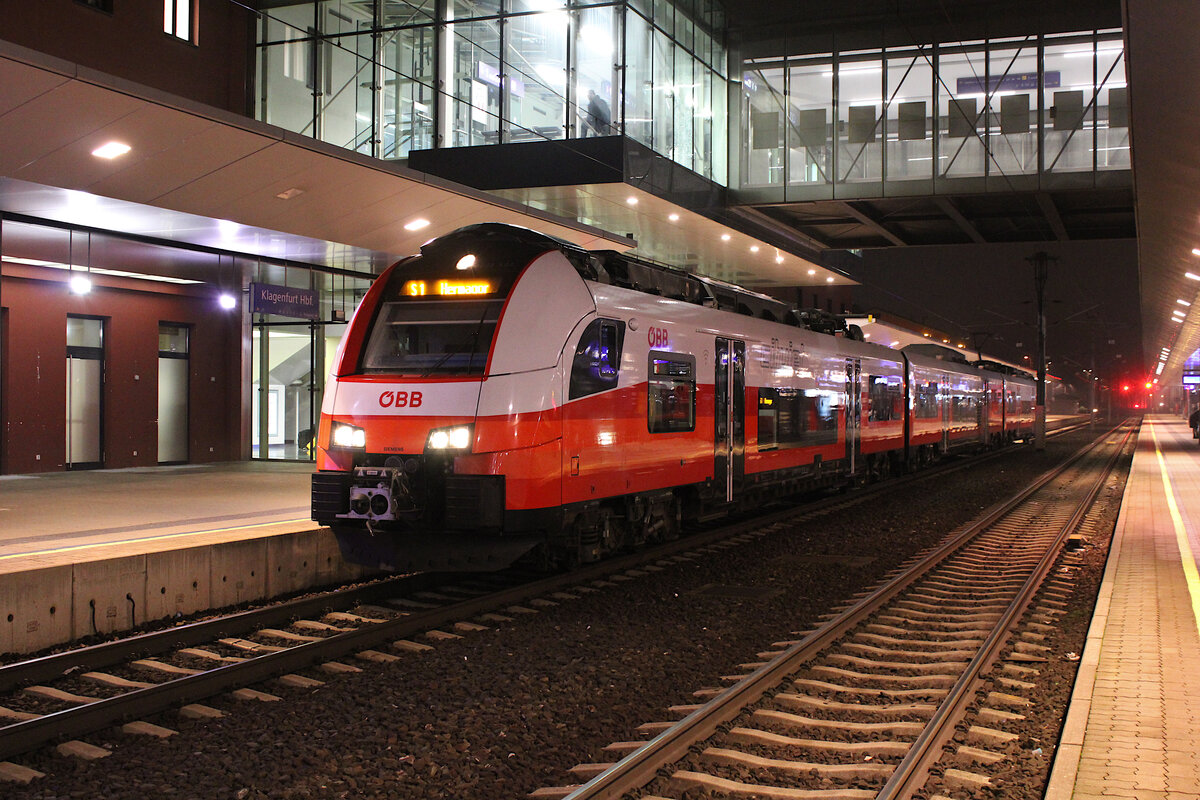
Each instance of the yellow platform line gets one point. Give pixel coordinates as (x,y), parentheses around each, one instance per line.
(1185,549)
(161,537)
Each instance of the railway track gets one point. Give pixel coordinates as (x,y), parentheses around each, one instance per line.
(905,690)
(61,698)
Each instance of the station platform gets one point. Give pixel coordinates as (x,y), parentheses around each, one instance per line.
(1133,729)
(57,518)
(103,551)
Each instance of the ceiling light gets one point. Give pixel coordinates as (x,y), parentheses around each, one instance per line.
(416,224)
(725,237)
(673,217)
(812,272)
(80,284)
(753,248)
(1184,303)
(1192,275)
(778,259)
(631,200)
(227,301)
(829,279)
(288,194)
(111,150)
(1196,251)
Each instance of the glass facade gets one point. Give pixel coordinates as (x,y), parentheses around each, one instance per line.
(384,77)
(993,109)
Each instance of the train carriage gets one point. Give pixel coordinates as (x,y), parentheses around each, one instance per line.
(504,391)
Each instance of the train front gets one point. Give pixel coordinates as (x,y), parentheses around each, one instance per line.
(402,409)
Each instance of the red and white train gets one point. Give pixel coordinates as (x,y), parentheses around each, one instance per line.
(505,392)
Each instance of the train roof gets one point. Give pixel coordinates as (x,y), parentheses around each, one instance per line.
(619,269)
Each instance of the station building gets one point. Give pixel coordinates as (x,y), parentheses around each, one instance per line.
(194,195)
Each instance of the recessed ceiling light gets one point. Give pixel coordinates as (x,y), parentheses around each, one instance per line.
(416,224)
(631,200)
(111,150)
(1196,251)
(778,259)
(829,279)
(673,217)
(1183,303)
(753,248)
(725,237)
(812,272)
(1192,275)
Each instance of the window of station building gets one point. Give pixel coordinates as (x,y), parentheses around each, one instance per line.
(179,19)
(671,393)
(475,114)
(1012,102)
(172,339)
(910,114)
(767,113)
(1082,74)
(859,91)
(809,134)
(789,417)
(535,54)
(597,77)
(962,100)
(597,363)
(410,96)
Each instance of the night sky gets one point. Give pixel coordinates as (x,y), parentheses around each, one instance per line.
(1091,300)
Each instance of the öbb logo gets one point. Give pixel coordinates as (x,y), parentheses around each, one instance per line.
(657,337)
(400,399)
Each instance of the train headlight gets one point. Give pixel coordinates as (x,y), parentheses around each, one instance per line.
(350,436)
(458,438)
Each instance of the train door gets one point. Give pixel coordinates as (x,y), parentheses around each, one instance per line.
(729,416)
(853,410)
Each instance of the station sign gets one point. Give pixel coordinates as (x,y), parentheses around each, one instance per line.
(284,301)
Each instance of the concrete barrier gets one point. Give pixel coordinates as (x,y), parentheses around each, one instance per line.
(51,606)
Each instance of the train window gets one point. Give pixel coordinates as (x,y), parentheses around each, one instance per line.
(886,400)
(925,401)
(796,418)
(597,360)
(964,409)
(432,337)
(671,393)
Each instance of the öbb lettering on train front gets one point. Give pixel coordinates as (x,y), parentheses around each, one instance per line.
(400,399)
(657,337)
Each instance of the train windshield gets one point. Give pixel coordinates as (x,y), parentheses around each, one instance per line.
(432,337)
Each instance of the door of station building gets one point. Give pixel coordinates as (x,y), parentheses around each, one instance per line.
(289,363)
(85,393)
(173,384)
(729,417)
